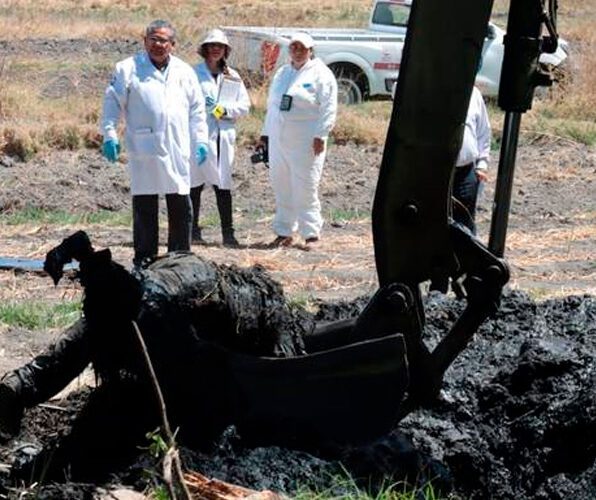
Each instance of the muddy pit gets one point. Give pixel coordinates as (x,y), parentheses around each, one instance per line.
(516,418)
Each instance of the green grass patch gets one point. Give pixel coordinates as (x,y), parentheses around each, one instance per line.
(341,216)
(31,215)
(303,301)
(36,315)
(582,132)
(345,488)
(209,219)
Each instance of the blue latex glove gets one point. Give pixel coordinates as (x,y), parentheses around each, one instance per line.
(201,152)
(209,101)
(111,149)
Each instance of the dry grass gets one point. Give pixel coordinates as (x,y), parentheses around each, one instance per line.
(341,266)
(33,119)
(104,18)
(546,261)
(570,109)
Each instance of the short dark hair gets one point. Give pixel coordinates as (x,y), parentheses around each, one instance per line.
(158,24)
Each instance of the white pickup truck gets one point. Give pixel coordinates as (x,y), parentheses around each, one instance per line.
(365,61)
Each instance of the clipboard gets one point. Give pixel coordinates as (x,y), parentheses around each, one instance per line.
(228,91)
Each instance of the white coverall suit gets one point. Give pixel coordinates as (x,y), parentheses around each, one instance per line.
(217,168)
(295,171)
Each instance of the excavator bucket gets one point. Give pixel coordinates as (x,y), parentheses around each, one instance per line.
(348,394)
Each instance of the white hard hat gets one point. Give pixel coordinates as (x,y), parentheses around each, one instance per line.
(216,36)
(303,38)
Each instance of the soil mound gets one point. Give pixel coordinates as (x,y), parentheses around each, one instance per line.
(517,413)
(516,417)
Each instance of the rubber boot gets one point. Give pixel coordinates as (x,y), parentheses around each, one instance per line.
(195,197)
(224,206)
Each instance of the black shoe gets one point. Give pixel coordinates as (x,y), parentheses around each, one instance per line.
(197,237)
(11,412)
(230,241)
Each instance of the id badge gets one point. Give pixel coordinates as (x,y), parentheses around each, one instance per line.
(286,103)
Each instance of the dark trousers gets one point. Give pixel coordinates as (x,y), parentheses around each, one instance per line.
(465,191)
(223,198)
(146,229)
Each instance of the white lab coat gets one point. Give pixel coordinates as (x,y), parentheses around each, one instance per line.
(165,115)
(475,146)
(295,171)
(217,171)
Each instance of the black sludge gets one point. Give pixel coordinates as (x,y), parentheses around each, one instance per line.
(517,417)
(190,313)
(517,413)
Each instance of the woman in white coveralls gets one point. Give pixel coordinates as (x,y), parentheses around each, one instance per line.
(301,111)
(227,100)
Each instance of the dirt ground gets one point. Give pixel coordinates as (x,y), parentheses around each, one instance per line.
(550,244)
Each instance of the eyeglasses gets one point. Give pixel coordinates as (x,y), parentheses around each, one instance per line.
(215,45)
(157,40)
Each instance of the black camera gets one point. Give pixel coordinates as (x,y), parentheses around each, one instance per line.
(261,155)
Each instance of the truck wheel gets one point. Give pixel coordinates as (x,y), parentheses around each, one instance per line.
(351,83)
(348,92)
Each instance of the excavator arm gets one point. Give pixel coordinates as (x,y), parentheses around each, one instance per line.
(415,237)
(362,376)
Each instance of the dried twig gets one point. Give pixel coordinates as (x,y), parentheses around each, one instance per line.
(203,487)
(172,461)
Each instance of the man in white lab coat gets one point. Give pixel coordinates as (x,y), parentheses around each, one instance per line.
(164,109)
(301,111)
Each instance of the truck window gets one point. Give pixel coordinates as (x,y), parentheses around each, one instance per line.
(391,14)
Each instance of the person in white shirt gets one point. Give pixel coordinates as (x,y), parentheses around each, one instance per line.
(163,106)
(472,161)
(301,112)
(227,100)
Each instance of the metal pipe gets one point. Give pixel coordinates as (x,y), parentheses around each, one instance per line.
(502,200)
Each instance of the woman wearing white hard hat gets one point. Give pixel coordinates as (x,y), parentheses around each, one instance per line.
(227,100)
(301,111)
